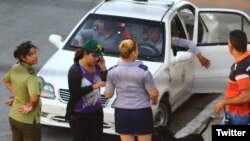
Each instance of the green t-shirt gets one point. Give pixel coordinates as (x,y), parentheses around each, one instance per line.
(24,83)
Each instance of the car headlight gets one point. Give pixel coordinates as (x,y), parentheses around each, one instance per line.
(48,90)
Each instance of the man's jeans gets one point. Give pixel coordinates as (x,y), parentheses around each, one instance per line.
(237,119)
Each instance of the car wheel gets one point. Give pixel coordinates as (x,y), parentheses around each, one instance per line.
(163,114)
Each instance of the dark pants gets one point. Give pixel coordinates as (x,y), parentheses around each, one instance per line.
(87,127)
(25,132)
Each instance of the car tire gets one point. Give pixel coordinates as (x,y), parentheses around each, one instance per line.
(163,113)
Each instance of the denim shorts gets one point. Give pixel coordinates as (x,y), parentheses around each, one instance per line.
(134,121)
(236,119)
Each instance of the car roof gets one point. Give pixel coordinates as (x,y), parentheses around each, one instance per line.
(151,10)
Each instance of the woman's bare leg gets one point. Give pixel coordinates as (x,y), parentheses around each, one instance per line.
(145,137)
(127,137)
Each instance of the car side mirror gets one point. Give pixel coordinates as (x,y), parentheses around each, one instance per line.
(56,40)
(182,56)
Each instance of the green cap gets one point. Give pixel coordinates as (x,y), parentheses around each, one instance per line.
(92,46)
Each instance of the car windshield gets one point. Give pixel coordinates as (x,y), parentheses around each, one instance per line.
(110,31)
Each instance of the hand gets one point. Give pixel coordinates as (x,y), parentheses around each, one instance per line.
(154,100)
(218,106)
(25,109)
(203,60)
(153,94)
(9,102)
(101,63)
(99,84)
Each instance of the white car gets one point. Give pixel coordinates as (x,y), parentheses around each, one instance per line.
(176,71)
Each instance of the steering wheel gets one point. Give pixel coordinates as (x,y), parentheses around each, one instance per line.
(148,49)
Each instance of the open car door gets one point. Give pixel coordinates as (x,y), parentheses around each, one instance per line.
(211,32)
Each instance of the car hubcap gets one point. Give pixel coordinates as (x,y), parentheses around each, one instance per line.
(161,117)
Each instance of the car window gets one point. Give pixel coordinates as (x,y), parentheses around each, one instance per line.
(177,31)
(188,18)
(216,26)
(110,31)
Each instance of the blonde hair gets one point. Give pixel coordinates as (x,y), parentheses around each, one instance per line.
(127,47)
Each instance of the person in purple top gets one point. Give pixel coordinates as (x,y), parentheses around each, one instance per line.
(85,78)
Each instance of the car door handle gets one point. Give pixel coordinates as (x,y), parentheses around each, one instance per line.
(167,70)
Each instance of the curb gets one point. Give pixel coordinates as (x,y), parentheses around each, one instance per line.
(197,123)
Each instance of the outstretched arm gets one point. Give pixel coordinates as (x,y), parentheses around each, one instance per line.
(193,48)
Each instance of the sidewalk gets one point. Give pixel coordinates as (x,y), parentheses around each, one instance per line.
(198,123)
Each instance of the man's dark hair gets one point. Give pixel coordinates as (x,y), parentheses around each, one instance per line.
(238,39)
